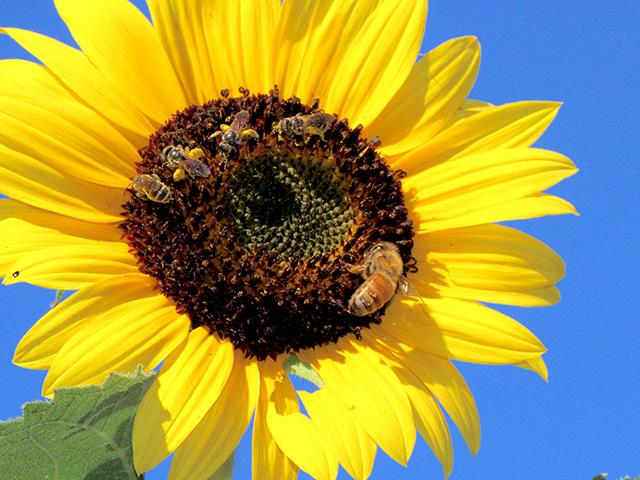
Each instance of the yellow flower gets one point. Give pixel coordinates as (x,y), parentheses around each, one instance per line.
(232,234)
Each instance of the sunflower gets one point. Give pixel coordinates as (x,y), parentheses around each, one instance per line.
(238,187)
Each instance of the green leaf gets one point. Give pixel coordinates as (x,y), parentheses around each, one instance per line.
(58,299)
(84,434)
(294,366)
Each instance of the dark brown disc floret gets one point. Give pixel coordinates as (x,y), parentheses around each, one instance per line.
(250,212)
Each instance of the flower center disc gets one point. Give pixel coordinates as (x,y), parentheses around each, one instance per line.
(251,213)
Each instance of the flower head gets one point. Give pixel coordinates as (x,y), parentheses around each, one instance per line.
(237,187)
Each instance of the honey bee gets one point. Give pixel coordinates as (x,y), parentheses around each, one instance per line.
(382,272)
(185,162)
(151,188)
(315,124)
(235,134)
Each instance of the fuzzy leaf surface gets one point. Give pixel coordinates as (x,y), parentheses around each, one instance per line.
(83,434)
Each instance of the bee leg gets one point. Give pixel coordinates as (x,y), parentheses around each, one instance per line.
(179,175)
(249,133)
(196,154)
(339,304)
(215,135)
(406,287)
(354,268)
(314,132)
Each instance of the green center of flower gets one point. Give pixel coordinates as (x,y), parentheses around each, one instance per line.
(252,213)
(288,206)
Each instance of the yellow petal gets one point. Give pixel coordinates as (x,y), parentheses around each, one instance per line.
(377,61)
(354,449)
(43,341)
(133,58)
(56,128)
(71,267)
(541,297)
(536,365)
(371,391)
(469,108)
(294,433)
(87,359)
(245,31)
(310,30)
(429,419)
(267,459)
(444,381)
(218,45)
(490,257)
(516,270)
(539,205)
(470,185)
(77,72)
(217,436)
(461,330)
(24,230)
(112,330)
(189,383)
(31,181)
(370,46)
(429,97)
(512,125)
(316,30)
(174,23)
(43,228)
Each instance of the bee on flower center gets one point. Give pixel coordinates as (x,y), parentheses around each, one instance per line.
(185,162)
(315,124)
(151,188)
(236,134)
(382,272)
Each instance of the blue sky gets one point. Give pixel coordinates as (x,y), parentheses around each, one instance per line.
(585,420)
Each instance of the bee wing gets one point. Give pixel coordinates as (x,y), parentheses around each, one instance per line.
(321,119)
(240,120)
(196,168)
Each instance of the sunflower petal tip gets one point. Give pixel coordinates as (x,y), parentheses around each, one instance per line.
(47,391)
(470,39)
(447,470)
(571,209)
(475,448)
(20,355)
(17,360)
